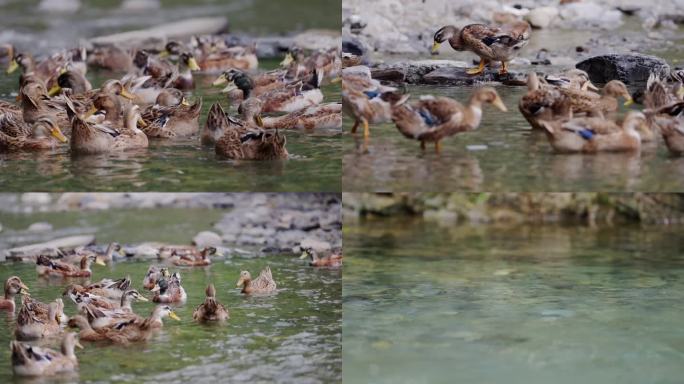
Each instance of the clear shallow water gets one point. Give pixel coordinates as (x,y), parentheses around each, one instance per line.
(294,335)
(425,303)
(514,158)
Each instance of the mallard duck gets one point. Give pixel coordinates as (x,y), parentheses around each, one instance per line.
(595,134)
(292,97)
(660,94)
(333,260)
(317,116)
(111,57)
(594,104)
(326,62)
(73,80)
(36,104)
(80,296)
(186,66)
(211,309)
(193,260)
(351,60)
(489,42)
(668,119)
(216,124)
(16,135)
(154,273)
(573,78)
(100,317)
(262,284)
(171,116)
(218,60)
(111,289)
(543,102)
(431,119)
(98,138)
(13,287)
(47,267)
(47,70)
(75,255)
(369,107)
(256,144)
(33,322)
(169,290)
(29,360)
(249,86)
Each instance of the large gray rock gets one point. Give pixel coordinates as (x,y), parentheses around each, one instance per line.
(412,72)
(630,68)
(458,76)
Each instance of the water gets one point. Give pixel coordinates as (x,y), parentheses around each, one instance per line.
(182,165)
(425,303)
(294,335)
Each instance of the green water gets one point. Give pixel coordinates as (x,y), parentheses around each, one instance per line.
(514,158)
(183,165)
(294,335)
(430,303)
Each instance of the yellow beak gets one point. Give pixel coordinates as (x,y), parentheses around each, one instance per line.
(220,80)
(142,298)
(174,316)
(164,54)
(57,134)
(24,287)
(185,102)
(90,112)
(54,90)
(680,92)
(240,282)
(287,60)
(435,47)
(258,120)
(13,65)
(142,123)
(499,104)
(303,256)
(589,85)
(192,64)
(99,262)
(336,80)
(629,102)
(78,344)
(127,94)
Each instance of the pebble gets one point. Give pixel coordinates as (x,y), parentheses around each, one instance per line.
(40,227)
(542,17)
(476,147)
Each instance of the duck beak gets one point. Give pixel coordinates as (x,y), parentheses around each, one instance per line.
(57,134)
(258,120)
(435,47)
(192,64)
(629,101)
(240,282)
(287,60)
(336,80)
(220,80)
(499,104)
(13,65)
(155,289)
(174,316)
(589,85)
(164,54)
(99,261)
(185,102)
(229,88)
(142,122)
(54,90)
(90,112)
(303,256)
(78,344)
(142,298)
(680,92)
(24,287)
(127,94)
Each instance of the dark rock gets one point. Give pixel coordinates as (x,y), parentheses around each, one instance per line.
(353,46)
(631,68)
(412,72)
(458,76)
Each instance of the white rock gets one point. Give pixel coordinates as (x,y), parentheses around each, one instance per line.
(207,239)
(590,14)
(316,244)
(40,227)
(542,17)
(36,198)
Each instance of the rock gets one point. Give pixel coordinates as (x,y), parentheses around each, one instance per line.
(542,17)
(315,39)
(207,239)
(36,198)
(59,6)
(353,46)
(51,247)
(458,76)
(588,14)
(630,68)
(412,72)
(317,244)
(40,227)
(140,5)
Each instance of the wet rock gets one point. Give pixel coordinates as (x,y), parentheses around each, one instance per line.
(412,72)
(353,46)
(40,227)
(316,244)
(207,239)
(49,248)
(458,76)
(631,68)
(542,17)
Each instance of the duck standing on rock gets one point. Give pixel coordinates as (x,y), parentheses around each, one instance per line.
(489,42)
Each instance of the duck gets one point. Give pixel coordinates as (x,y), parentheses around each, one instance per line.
(255,144)
(572,78)
(46,70)
(215,60)
(369,107)
(333,260)
(660,94)
(19,136)
(169,290)
(262,284)
(33,322)
(73,80)
(321,116)
(186,66)
(47,267)
(595,134)
(490,43)
(13,286)
(108,288)
(171,116)
(251,86)
(211,310)
(81,296)
(543,102)
(324,61)
(30,360)
(292,97)
(104,317)
(604,104)
(111,57)
(216,124)
(36,104)
(154,273)
(431,119)
(90,138)
(194,260)
(669,121)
